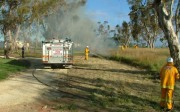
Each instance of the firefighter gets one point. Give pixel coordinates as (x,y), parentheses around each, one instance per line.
(86,52)
(168,75)
(135,46)
(22,51)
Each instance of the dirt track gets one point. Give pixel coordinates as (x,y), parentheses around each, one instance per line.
(59,90)
(25,92)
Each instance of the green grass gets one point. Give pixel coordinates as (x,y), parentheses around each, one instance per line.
(66,107)
(10,66)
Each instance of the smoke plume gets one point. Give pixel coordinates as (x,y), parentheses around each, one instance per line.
(72,22)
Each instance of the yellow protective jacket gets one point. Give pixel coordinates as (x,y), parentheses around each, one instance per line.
(86,51)
(168,75)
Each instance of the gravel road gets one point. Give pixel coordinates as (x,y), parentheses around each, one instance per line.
(29,91)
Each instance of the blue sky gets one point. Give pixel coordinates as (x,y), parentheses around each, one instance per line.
(113,11)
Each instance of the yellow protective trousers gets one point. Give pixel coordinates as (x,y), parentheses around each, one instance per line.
(166,98)
(86,56)
(86,53)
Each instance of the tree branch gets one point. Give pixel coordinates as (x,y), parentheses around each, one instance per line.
(177,22)
(171,10)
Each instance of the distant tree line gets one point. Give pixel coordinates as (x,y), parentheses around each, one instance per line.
(151,20)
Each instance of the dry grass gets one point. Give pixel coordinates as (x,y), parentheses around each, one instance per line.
(100,85)
(28,53)
(151,59)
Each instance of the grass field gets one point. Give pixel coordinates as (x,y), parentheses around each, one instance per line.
(150,59)
(28,53)
(102,89)
(99,86)
(10,67)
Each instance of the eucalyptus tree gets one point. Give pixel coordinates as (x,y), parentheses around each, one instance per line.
(166,18)
(150,27)
(117,34)
(136,26)
(122,34)
(103,29)
(144,22)
(8,22)
(14,13)
(126,33)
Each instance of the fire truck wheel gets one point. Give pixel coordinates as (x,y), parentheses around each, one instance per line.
(53,66)
(61,66)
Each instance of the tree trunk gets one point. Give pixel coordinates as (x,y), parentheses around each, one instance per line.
(177,19)
(14,43)
(150,39)
(7,44)
(127,41)
(165,22)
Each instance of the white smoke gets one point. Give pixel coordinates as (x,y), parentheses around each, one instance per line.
(73,23)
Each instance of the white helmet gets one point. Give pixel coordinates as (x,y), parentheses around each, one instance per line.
(87,46)
(169,59)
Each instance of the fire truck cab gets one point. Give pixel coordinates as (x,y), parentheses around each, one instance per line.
(57,53)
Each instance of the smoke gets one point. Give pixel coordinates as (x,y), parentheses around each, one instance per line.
(72,22)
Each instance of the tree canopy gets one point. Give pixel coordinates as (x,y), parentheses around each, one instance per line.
(24,13)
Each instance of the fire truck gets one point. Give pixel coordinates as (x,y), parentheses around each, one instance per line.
(57,53)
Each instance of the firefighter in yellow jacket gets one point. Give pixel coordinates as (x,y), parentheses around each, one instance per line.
(168,75)
(86,52)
